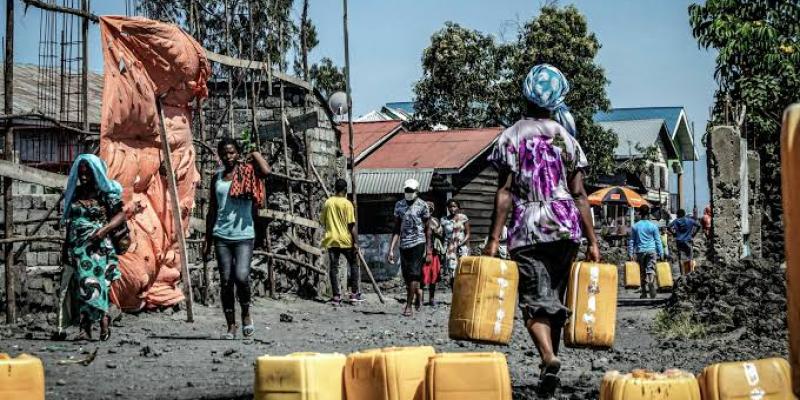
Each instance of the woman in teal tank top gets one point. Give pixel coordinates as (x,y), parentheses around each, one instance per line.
(230,228)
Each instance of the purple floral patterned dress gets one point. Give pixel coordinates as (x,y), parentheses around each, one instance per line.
(540,155)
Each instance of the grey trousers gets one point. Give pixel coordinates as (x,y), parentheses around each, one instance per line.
(354,272)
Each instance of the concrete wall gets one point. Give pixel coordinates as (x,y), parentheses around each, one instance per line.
(728,176)
(723,162)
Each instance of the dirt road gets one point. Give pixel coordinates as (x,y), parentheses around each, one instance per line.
(140,363)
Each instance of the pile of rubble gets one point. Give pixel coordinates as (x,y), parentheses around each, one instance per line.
(748,295)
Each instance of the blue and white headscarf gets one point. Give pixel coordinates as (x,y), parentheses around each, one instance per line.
(547,87)
(106,186)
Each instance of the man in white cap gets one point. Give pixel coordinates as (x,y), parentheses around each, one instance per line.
(412,230)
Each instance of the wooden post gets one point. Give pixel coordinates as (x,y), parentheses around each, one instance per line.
(176,214)
(790,176)
(352,162)
(230,71)
(85,66)
(8,71)
(349,112)
(304,39)
(270,265)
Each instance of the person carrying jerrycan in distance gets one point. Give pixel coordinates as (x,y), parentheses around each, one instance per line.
(684,228)
(644,247)
(541,168)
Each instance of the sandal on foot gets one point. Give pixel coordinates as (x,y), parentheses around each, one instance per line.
(549,380)
(407,312)
(228,336)
(248,330)
(104,336)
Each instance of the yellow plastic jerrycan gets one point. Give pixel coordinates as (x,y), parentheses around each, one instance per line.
(300,376)
(767,379)
(644,385)
(484,300)
(392,373)
(790,179)
(21,378)
(468,376)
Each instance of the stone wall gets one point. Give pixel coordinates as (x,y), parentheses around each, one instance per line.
(311,138)
(37,266)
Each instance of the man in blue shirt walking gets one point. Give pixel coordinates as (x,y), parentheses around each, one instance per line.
(644,247)
(684,228)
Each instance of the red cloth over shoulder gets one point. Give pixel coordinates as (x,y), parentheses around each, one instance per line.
(247,185)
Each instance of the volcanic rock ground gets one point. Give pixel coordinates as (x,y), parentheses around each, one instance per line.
(159,356)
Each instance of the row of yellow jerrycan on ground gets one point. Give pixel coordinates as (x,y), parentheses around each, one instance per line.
(485,298)
(418,373)
(633,278)
(397,373)
(768,379)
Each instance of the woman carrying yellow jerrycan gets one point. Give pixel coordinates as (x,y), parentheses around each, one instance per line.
(541,167)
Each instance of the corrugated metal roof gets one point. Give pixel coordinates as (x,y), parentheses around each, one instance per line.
(373,116)
(670,115)
(404,106)
(390,180)
(366,135)
(674,117)
(440,150)
(642,132)
(26,99)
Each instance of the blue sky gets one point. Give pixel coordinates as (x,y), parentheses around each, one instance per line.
(648,51)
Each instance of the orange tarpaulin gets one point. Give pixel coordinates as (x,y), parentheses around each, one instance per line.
(145,60)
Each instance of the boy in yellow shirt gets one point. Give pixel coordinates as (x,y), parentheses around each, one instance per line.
(338,217)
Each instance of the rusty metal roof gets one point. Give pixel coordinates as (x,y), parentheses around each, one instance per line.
(26,99)
(367,136)
(445,151)
(390,180)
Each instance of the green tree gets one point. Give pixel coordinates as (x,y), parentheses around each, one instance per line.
(758,56)
(327,77)
(469,80)
(458,88)
(239,28)
(561,37)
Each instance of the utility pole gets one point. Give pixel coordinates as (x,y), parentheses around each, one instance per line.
(8,204)
(349,110)
(694,172)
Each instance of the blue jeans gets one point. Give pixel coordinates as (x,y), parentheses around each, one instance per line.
(233,262)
